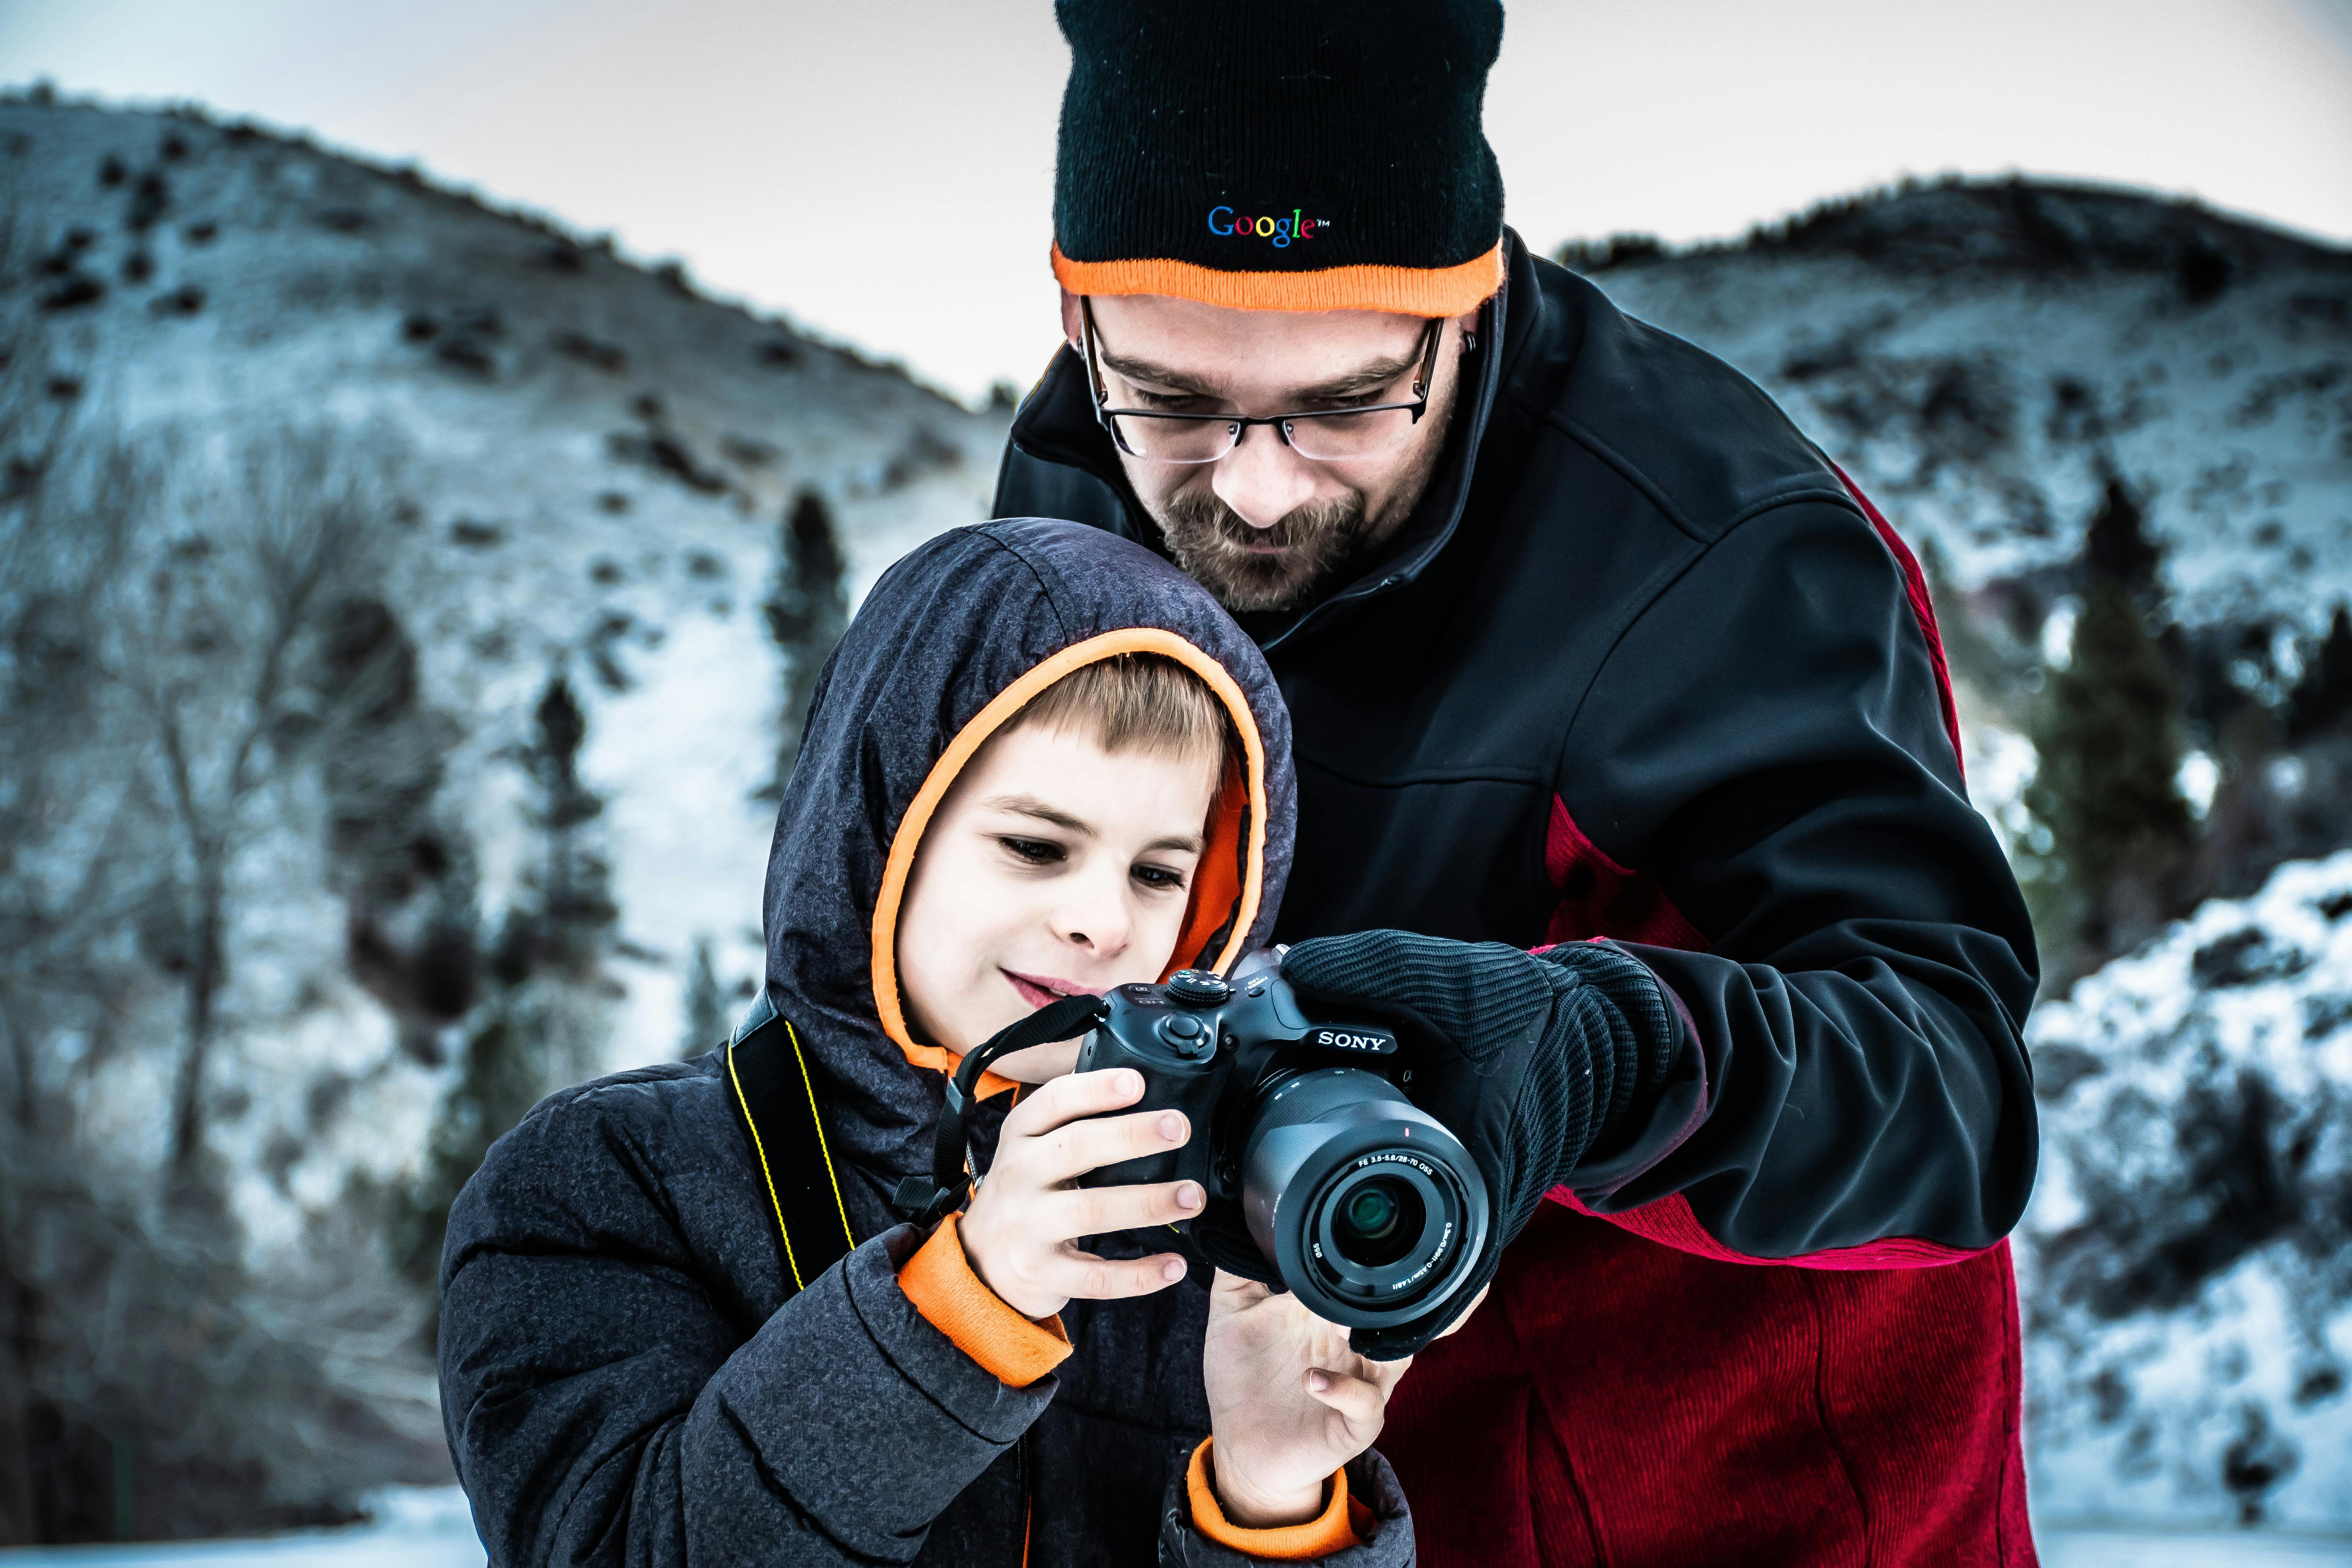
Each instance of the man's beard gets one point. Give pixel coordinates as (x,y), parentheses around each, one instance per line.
(1214,545)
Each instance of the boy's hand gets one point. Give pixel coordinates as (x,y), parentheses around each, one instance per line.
(1018,1232)
(1288,1402)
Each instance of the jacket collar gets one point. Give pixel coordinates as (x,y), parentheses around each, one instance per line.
(1057,424)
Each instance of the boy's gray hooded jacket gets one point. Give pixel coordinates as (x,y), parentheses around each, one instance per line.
(627,1374)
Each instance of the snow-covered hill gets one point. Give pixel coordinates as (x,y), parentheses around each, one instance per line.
(2187,1262)
(402,609)
(584,465)
(1979,356)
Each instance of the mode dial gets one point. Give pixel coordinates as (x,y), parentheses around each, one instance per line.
(1198,988)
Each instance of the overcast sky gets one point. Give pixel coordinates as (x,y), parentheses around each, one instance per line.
(883,170)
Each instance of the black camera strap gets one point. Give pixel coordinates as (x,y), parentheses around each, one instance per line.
(929,1202)
(768,1078)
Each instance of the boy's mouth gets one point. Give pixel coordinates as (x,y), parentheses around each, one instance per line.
(1045,990)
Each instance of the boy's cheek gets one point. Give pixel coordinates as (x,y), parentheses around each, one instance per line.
(1040,1064)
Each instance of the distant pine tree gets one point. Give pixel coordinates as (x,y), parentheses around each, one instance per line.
(706,1022)
(543,1019)
(576,905)
(807,610)
(2110,733)
(2323,697)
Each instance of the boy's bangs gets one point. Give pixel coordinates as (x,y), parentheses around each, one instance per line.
(1227,886)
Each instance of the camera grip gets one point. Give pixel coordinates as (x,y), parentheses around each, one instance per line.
(1190,1089)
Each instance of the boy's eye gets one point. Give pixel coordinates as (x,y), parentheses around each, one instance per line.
(1035,851)
(1158,878)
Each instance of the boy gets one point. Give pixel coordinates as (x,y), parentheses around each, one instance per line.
(1042,761)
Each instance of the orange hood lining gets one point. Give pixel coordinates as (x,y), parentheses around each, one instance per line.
(1199,923)
(1405,290)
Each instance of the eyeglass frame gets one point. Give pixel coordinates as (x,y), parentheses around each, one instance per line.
(1434,334)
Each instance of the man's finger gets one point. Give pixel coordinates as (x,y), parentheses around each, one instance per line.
(1072,1096)
(1099,1211)
(1084,1277)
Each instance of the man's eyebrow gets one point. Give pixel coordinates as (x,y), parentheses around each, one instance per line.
(1030,806)
(1158,374)
(1181,845)
(1379,372)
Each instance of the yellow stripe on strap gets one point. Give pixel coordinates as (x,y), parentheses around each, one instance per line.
(817,1121)
(760,1149)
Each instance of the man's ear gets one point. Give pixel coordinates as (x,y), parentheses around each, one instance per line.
(1071,325)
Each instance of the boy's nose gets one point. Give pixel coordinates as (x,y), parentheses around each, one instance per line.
(1097,920)
(1263,480)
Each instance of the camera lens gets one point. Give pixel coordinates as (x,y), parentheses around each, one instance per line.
(1368,1205)
(1373,1212)
(1378,1222)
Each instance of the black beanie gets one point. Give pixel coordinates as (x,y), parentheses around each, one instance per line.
(1280,154)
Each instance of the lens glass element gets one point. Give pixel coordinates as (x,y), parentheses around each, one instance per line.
(1378,1222)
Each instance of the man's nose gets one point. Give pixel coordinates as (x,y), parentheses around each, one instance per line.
(1263,480)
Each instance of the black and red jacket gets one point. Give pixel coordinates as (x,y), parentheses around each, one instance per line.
(1644,665)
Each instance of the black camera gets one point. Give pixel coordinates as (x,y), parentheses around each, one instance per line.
(1322,1175)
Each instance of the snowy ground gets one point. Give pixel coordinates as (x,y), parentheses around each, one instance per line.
(429,1528)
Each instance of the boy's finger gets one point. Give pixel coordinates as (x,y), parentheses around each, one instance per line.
(1071,1096)
(1097,1211)
(1231,1293)
(1361,1406)
(1082,1276)
(1070,1151)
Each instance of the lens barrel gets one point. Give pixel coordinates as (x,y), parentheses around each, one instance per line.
(1369,1205)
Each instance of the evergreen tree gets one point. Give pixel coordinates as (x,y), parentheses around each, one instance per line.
(543,1019)
(706,1022)
(575,903)
(2110,734)
(807,610)
(2323,697)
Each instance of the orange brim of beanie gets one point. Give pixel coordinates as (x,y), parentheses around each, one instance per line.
(1405,290)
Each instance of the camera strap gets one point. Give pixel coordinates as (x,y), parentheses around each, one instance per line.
(768,1079)
(929,1202)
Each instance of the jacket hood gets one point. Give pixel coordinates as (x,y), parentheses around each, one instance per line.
(950,644)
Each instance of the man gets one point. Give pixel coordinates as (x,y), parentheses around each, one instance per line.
(1581,640)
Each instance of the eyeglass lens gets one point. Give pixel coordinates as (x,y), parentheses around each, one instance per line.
(1326,437)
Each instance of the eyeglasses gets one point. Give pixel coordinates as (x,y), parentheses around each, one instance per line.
(1324,435)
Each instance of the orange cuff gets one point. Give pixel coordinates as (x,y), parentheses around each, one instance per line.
(940,1281)
(1330,1531)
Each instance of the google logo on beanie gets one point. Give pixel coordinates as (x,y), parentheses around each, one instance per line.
(1226,224)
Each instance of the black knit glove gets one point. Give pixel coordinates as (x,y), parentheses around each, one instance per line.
(1535,1061)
